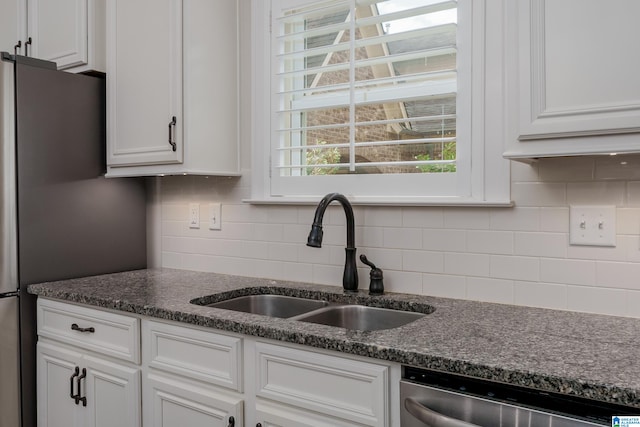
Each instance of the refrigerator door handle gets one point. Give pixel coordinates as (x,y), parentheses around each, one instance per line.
(9,294)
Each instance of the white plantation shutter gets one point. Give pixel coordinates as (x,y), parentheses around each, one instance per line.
(366,88)
(373,99)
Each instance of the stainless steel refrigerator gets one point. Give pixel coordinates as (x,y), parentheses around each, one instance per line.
(59,218)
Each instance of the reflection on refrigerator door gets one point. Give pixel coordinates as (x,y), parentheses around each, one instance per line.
(9,363)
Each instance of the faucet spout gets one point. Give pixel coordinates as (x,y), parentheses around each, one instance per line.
(350,275)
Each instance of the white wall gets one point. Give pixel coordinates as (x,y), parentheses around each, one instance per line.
(518,255)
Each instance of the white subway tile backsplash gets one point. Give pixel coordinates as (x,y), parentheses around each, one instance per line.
(282,214)
(464,264)
(407,238)
(515,219)
(490,290)
(621,275)
(633,304)
(622,167)
(442,285)
(423,261)
(633,193)
(295,233)
(243,213)
(553,245)
(267,232)
(310,255)
(566,169)
(386,259)
(524,172)
(596,193)
(554,220)
(382,217)
(418,217)
(399,281)
(467,218)
(372,237)
(283,252)
(597,300)
(328,275)
(490,242)
(515,267)
(518,255)
(628,221)
(568,271)
(536,294)
(297,272)
(539,194)
(444,240)
(609,253)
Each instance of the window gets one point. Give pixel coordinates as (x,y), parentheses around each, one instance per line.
(371,98)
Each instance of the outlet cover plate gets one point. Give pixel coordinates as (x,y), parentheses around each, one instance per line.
(592,225)
(194,215)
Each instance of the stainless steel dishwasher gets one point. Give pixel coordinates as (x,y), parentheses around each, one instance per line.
(435,399)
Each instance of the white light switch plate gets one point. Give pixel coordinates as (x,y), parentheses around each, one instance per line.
(215,216)
(592,225)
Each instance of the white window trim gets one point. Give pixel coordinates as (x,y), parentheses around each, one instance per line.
(490,178)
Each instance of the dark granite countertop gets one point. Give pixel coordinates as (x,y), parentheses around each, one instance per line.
(586,355)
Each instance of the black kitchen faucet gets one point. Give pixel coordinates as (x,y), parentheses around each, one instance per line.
(350,275)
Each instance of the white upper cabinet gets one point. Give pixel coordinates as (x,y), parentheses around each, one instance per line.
(172,87)
(574,77)
(144,76)
(67,32)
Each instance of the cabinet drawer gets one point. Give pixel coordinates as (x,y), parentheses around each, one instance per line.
(349,389)
(195,353)
(113,334)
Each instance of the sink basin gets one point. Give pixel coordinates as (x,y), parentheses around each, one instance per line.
(270,305)
(360,317)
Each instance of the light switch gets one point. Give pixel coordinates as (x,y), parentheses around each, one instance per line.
(215,218)
(592,225)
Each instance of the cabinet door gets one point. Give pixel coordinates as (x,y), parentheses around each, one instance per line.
(578,68)
(144,82)
(170,402)
(56,373)
(12,24)
(113,394)
(58,31)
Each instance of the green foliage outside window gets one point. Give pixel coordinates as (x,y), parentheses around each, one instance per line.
(448,153)
(322,156)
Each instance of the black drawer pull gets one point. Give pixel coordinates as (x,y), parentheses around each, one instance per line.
(75,327)
(232,422)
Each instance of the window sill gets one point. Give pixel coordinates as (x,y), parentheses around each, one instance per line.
(386,201)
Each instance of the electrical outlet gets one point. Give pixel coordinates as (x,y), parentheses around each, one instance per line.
(194,215)
(592,225)
(215,216)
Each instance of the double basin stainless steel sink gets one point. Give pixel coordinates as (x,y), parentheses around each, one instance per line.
(348,316)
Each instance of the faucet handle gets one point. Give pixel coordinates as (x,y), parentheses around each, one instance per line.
(376,286)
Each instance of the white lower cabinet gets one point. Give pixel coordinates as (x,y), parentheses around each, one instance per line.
(172,402)
(192,377)
(99,368)
(78,389)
